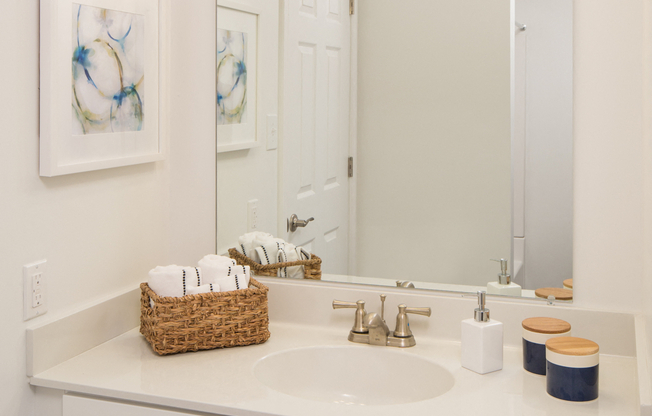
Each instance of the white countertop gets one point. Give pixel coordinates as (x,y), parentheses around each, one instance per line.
(222,381)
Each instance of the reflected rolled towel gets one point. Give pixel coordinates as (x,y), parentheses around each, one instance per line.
(247,244)
(289,252)
(268,252)
(211,287)
(303,253)
(262,239)
(263,256)
(174,280)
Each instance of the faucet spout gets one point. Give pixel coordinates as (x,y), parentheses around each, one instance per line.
(378,329)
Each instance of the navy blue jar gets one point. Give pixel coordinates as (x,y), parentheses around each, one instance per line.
(536,331)
(572,369)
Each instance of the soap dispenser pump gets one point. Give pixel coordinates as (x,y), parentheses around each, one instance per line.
(482,341)
(504,285)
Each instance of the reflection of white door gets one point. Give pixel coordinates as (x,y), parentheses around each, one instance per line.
(315,126)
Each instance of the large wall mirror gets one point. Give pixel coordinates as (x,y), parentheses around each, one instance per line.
(458,119)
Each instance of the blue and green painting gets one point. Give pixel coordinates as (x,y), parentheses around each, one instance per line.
(107,70)
(231,77)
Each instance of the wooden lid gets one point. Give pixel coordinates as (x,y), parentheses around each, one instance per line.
(572,346)
(546,325)
(569,283)
(559,294)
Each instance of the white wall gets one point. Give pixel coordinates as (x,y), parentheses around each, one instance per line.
(433,168)
(647,146)
(192,119)
(609,154)
(547,48)
(100,231)
(251,174)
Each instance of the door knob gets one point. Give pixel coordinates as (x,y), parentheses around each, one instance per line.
(294,222)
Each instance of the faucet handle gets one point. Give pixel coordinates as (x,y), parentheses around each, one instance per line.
(402,324)
(358,324)
(419,311)
(341,304)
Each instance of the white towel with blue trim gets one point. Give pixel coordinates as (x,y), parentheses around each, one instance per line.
(174,280)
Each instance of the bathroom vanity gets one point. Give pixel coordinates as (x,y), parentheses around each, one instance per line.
(308,367)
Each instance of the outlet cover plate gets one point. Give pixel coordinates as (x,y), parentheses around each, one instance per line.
(34,290)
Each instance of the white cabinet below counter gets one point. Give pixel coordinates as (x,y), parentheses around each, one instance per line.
(85,406)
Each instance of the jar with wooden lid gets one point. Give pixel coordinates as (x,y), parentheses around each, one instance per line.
(536,331)
(572,369)
(556,292)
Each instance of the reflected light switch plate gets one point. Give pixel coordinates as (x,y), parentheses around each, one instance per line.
(272,131)
(252,215)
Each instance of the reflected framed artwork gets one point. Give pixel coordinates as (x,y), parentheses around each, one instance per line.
(99,85)
(237,76)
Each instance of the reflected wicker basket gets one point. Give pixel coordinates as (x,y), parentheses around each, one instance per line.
(312,267)
(205,321)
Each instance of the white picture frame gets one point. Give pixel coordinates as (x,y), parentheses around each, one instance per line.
(239,19)
(63,149)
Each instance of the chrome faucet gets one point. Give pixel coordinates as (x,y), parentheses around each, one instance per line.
(372,329)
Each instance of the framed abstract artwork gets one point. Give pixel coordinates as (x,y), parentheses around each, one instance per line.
(99,85)
(237,76)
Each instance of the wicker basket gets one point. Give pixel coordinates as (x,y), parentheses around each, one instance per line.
(204,321)
(312,267)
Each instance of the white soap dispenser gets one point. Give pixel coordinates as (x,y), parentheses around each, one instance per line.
(504,285)
(482,341)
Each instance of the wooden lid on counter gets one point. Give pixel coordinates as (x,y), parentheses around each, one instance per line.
(546,325)
(568,283)
(559,294)
(572,346)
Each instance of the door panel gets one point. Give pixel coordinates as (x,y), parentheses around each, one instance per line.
(314,168)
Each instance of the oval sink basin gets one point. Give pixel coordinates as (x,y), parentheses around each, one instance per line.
(353,375)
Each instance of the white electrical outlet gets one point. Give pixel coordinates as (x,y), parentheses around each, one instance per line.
(252,215)
(34,290)
(272,131)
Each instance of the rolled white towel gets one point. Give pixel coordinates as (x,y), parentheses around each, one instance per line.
(240,270)
(214,266)
(234,282)
(210,287)
(289,252)
(174,280)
